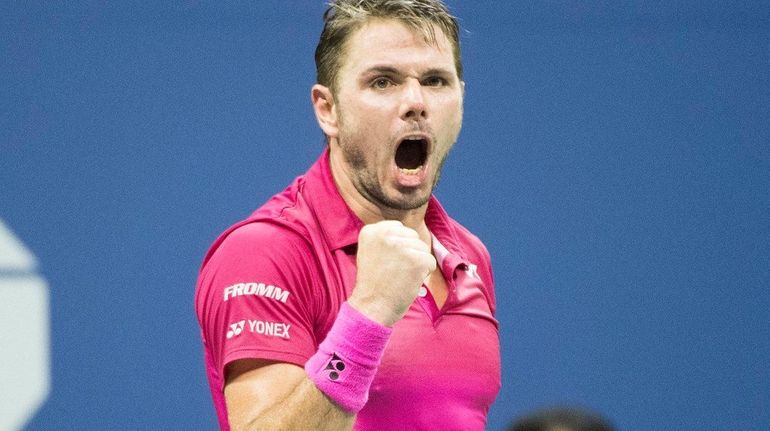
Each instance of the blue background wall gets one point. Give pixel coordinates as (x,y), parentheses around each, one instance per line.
(615,158)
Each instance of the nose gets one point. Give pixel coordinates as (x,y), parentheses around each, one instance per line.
(413,102)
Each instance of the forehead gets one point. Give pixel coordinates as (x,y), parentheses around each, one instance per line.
(381,42)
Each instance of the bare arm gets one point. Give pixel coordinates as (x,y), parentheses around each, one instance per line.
(264,395)
(392,262)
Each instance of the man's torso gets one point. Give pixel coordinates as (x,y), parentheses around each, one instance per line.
(271,287)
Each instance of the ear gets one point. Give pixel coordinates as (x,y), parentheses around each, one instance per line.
(325,110)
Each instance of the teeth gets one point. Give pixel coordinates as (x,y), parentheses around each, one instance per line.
(410,171)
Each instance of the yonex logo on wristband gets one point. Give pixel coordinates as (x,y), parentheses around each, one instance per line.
(346,361)
(335,367)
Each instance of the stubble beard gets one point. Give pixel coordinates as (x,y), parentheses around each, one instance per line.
(364,179)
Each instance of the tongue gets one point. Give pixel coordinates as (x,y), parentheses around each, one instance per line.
(409,154)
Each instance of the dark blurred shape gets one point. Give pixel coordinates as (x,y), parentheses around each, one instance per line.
(561,419)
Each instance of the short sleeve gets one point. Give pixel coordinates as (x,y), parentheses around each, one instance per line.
(254,296)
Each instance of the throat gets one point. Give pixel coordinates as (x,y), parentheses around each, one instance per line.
(438,288)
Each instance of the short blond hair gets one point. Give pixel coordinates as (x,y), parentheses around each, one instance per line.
(343,17)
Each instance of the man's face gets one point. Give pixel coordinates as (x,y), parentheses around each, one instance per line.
(399,107)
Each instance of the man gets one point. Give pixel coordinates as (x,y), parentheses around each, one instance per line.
(351,299)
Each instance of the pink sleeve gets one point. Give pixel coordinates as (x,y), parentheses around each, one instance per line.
(254,297)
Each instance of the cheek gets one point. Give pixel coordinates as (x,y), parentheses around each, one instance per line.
(450,107)
(364,117)
(458,118)
(452,118)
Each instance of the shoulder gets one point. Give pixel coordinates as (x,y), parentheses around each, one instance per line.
(257,255)
(258,273)
(262,236)
(277,221)
(260,248)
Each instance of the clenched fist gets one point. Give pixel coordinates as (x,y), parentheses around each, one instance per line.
(392,264)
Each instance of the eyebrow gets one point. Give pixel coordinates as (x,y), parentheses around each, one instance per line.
(390,70)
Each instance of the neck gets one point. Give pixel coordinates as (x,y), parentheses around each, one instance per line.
(370,212)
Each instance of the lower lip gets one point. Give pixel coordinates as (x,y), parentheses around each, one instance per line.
(410,179)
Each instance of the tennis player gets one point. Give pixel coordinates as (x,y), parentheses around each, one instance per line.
(351,300)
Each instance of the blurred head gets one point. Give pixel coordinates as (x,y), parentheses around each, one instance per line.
(561,419)
(344,17)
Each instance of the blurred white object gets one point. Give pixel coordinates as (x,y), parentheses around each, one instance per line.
(25,376)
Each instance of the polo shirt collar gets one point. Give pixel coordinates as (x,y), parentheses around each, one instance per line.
(338,222)
(341,226)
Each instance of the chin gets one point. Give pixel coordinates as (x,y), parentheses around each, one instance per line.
(411,201)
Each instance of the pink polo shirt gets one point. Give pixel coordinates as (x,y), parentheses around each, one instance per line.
(270,287)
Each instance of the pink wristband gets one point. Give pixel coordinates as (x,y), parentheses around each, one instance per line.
(346,361)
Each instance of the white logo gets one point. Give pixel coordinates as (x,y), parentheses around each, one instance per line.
(236,329)
(256,289)
(472,271)
(261,327)
(271,329)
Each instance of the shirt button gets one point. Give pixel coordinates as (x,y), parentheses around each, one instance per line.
(423,292)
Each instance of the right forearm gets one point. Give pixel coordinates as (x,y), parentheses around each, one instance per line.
(324,395)
(306,407)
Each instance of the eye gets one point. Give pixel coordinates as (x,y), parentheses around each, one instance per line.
(381,83)
(435,81)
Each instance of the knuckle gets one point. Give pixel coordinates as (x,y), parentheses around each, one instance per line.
(365,231)
(389,241)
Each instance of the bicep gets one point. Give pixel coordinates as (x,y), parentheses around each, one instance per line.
(254,386)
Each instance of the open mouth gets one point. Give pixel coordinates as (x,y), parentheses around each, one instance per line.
(411,155)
